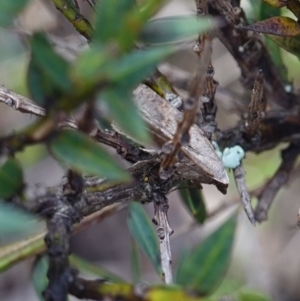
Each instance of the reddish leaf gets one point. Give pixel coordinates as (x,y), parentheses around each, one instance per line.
(281,26)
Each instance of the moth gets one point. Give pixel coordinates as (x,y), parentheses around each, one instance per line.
(200,162)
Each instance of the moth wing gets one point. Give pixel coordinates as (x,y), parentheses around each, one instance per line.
(162,119)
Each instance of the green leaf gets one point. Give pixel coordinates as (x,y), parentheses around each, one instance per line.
(172,29)
(110,21)
(83,154)
(91,268)
(11,178)
(135,262)
(142,230)
(266,11)
(39,276)
(9,11)
(193,199)
(132,68)
(89,67)
(15,221)
(122,20)
(123,110)
(208,262)
(47,72)
(276,56)
(39,85)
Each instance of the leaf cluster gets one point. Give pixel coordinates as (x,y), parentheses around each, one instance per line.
(125,46)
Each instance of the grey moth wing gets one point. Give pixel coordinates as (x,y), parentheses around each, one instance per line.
(162,119)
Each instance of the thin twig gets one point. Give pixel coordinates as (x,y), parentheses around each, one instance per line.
(191,107)
(19,102)
(164,231)
(206,120)
(249,51)
(35,245)
(81,24)
(267,195)
(239,176)
(159,83)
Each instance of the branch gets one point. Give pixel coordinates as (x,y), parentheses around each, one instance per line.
(267,195)
(271,131)
(240,182)
(35,245)
(191,106)
(161,85)
(81,24)
(206,120)
(19,102)
(60,275)
(163,231)
(249,51)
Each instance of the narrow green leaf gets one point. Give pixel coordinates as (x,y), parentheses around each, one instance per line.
(39,276)
(9,11)
(193,199)
(11,178)
(110,21)
(14,221)
(39,85)
(173,29)
(208,262)
(276,56)
(122,20)
(47,72)
(91,268)
(266,11)
(142,230)
(135,262)
(132,68)
(89,66)
(123,110)
(53,64)
(83,154)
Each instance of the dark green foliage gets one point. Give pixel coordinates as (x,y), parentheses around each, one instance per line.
(193,199)
(11,178)
(167,30)
(47,73)
(205,266)
(83,154)
(14,221)
(39,276)
(142,230)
